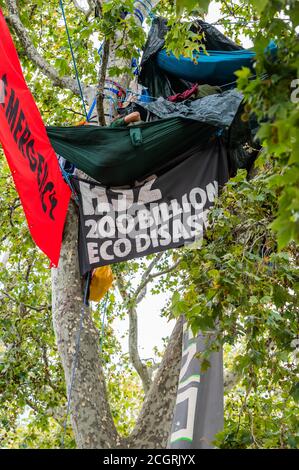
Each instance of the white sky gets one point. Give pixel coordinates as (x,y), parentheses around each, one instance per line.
(214,15)
(151,326)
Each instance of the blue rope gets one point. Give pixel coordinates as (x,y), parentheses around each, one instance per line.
(91,110)
(100,49)
(150,6)
(113,90)
(139,15)
(67,176)
(73,57)
(75,359)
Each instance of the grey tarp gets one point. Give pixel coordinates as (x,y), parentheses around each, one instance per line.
(217,110)
(222,110)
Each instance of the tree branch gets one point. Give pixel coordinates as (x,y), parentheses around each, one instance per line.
(135,359)
(87,11)
(32,53)
(154,422)
(21,304)
(101,84)
(131,303)
(97,5)
(141,290)
(144,278)
(139,366)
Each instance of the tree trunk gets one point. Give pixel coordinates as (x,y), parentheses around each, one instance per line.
(90,414)
(153,427)
(91,418)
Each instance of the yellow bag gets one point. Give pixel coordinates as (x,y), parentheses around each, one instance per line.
(101,282)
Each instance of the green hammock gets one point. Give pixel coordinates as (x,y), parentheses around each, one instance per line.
(120,156)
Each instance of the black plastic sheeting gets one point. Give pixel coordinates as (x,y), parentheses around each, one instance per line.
(152,77)
(243,147)
(221,110)
(160,83)
(214,40)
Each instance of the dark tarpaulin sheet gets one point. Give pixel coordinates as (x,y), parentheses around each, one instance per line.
(160,83)
(239,135)
(152,77)
(214,40)
(120,156)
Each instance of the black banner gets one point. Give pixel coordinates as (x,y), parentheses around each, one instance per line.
(145,458)
(163,211)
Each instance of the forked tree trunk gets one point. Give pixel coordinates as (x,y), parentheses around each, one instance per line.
(90,415)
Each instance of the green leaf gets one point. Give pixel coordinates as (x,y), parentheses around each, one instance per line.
(189,5)
(259,5)
(295,392)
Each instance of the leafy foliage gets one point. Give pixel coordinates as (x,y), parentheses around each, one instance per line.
(240,282)
(245,277)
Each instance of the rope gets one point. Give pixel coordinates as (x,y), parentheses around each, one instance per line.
(147,7)
(89,116)
(73,57)
(67,177)
(150,6)
(153,98)
(103,324)
(139,15)
(76,357)
(118,85)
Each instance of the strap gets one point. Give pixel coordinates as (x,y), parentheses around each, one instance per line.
(136,136)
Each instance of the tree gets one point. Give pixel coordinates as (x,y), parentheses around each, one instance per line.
(205,298)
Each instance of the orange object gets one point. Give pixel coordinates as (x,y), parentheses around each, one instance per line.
(101,281)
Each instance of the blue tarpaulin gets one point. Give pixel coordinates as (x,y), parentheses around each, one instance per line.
(213,67)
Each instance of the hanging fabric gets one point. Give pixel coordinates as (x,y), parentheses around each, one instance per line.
(118,156)
(32,161)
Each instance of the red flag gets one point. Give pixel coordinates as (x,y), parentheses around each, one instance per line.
(32,161)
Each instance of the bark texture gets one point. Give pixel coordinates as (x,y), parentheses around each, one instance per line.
(140,367)
(153,426)
(90,414)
